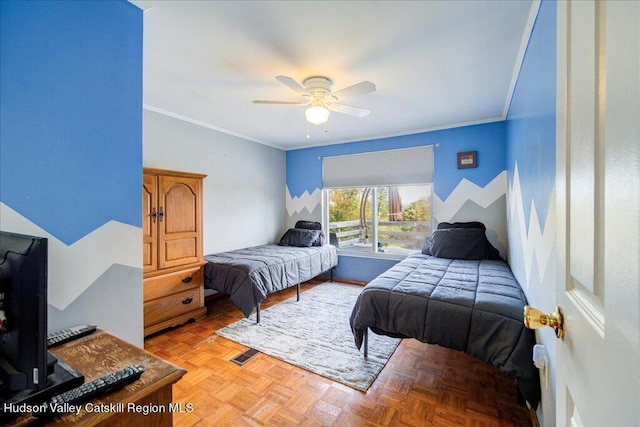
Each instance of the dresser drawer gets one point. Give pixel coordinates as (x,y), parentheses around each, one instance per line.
(172,306)
(167,284)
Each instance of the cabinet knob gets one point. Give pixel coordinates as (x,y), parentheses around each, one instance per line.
(161,214)
(187,279)
(187,301)
(154,214)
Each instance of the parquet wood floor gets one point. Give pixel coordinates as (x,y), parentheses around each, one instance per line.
(421,385)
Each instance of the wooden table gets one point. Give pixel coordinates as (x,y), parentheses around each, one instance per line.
(144,402)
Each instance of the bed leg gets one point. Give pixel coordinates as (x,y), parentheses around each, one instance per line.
(298,292)
(331,270)
(258,314)
(366,342)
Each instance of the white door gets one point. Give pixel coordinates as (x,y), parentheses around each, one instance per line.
(598,184)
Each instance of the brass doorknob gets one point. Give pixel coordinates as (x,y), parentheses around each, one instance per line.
(535,319)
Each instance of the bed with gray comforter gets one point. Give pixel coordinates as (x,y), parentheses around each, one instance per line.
(249,275)
(471,305)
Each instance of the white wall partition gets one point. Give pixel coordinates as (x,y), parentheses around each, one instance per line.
(244,191)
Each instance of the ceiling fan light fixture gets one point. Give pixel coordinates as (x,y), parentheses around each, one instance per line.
(317,92)
(317,114)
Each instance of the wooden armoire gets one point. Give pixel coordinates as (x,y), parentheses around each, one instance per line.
(172,248)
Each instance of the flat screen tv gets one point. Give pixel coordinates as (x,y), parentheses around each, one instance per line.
(23,306)
(28,372)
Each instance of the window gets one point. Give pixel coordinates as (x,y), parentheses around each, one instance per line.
(379,202)
(383,220)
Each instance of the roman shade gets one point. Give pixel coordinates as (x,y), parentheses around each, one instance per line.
(405,166)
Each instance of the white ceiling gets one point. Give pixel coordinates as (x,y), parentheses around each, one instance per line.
(436,64)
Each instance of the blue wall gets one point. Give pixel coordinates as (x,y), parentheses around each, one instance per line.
(71,152)
(361,269)
(531,121)
(304,166)
(71,113)
(531,171)
(304,178)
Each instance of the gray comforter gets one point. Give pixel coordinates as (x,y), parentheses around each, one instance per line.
(471,306)
(249,275)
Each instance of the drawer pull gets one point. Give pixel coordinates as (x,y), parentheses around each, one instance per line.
(187,279)
(187,301)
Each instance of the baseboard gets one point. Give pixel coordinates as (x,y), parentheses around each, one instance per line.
(347,281)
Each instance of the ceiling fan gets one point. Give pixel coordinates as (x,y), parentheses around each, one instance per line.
(317,93)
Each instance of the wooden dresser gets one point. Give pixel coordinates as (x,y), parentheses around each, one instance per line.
(172,248)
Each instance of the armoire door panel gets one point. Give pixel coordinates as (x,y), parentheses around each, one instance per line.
(181,220)
(180,206)
(149,227)
(181,251)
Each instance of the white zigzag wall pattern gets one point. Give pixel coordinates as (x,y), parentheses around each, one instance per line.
(72,269)
(305,201)
(527,245)
(443,210)
(466,190)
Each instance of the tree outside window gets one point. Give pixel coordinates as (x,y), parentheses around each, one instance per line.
(401,223)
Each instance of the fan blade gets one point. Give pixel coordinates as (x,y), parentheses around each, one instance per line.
(348,109)
(263,101)
(355,90)
(292,84)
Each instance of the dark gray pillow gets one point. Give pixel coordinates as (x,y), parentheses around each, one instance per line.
(490,251)
(456,243)
(308,225)
(470,224)
(313,225)
(299,237)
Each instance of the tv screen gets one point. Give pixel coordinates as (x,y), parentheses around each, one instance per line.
(23,312)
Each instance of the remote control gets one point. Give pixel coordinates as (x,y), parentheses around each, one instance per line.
(62,403)
(70,334)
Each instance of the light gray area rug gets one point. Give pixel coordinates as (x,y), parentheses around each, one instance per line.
(314,334)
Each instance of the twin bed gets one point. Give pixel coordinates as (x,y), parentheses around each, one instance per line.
(457,293)
(249,275)
(473,304)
